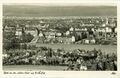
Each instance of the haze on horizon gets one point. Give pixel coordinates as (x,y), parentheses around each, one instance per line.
(43,11)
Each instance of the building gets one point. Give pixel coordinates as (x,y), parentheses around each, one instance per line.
(50,35)
(18,32)
(115,29)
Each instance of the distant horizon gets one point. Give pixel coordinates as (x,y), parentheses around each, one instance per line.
(58,11)
(61,4)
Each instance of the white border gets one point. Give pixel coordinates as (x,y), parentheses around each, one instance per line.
(71,74)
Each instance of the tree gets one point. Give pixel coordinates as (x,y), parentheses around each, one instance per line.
(27,38)
(10,41)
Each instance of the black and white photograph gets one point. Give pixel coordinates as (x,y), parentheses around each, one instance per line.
(59,37)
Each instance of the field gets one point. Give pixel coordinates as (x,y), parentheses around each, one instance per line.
(37,68)
(33,67)
(104,48)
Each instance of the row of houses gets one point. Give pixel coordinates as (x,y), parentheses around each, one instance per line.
(85,30)
(74,34)
(53,32)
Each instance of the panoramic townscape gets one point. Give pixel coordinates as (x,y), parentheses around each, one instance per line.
(78,43)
